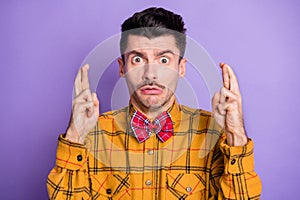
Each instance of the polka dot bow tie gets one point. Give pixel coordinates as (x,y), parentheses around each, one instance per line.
(162,126)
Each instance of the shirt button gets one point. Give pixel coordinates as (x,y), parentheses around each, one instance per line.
(148,182)
(108,191)
(150,152)
(79,157)
(233,161)
(189,189)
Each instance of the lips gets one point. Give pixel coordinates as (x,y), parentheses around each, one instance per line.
(151,90)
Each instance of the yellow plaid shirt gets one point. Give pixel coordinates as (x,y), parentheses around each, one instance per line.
(195,163)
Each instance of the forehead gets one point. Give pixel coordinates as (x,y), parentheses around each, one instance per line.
(140,43)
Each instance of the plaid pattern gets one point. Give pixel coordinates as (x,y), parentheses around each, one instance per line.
(142,127)
(195,163)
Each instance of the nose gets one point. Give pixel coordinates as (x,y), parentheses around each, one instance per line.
(150,72)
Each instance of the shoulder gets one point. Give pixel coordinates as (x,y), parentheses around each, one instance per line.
(112,114)
(113,120)
(195,111)
(201,119)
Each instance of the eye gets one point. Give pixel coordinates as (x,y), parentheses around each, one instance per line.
(137,59)
(164,60)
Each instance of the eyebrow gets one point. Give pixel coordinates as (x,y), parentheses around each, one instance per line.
(135,53)
(158,54)
(165,52)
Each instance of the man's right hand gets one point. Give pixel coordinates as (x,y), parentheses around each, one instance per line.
(85,108)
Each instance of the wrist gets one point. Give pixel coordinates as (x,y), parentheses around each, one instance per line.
(237,138)
(240,140)
(73,136)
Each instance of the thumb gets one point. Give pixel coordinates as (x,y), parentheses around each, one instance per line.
(215,101)
(95,101)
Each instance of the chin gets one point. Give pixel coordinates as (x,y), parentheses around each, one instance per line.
(151,105)
(154,106)
(155,103)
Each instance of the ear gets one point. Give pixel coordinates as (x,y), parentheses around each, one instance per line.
(182,67)
(121,67)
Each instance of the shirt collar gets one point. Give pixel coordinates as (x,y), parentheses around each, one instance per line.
(173,110)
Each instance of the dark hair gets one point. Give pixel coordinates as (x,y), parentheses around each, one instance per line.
(153,22)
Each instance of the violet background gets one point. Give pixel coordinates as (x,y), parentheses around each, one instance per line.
(44,42)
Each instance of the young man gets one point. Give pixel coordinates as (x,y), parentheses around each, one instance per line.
(155,148)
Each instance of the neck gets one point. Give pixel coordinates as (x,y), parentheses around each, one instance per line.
(152,113)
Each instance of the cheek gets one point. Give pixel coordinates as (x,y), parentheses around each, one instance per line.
(133,78)
(169,78)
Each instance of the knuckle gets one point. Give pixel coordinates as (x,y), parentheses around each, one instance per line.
(75,106)
(216,96)
(239,98)
(223,90)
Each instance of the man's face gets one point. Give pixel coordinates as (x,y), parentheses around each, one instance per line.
(152,68)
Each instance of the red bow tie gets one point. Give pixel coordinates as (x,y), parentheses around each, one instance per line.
(162,126)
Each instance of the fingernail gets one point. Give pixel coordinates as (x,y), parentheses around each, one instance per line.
(86,66)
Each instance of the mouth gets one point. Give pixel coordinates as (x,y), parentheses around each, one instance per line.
(151,90)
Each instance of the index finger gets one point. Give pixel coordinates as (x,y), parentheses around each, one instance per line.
(85,77)
(229,78)
(225,76)
(81,81)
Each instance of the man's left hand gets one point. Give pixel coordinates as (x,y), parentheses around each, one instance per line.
(227,108)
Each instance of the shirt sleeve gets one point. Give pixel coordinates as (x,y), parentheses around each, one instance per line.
(69,179)
(233,175)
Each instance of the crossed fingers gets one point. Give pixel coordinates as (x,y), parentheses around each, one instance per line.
(82,80)
(229,79)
